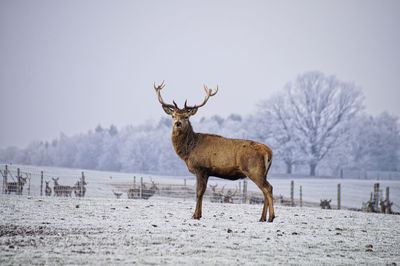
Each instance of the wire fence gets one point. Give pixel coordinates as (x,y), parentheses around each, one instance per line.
(65,182)
(58,182)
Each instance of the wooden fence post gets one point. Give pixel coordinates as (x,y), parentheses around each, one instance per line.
(245,190)
(376,196)
(240,192)
(292,193)
(388,204)
(387,194)
(184,189)
(141,188)
(18,182)
(29,186)
(41,183)
(5,179)
(338,196)
(301,196)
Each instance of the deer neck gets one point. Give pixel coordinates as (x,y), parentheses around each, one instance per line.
(184,141)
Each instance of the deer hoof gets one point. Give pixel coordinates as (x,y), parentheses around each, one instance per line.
(196,216)
(271,219)
(262,219)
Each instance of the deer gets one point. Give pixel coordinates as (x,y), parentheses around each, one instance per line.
(228,196)
(47,190)
(214,196)
(80,188)
(208,155)
(16,187)
(134,193)
(61,190)
(147,193)
(117,194)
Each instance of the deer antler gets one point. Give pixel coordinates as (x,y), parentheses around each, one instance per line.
(222,191)
(160,99)
(234,193)
(208,94)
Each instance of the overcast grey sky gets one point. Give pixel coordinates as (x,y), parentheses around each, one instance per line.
(67,66)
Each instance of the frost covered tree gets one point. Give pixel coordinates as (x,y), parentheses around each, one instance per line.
(108,159)
(383,143)
(276,124)
(311,115)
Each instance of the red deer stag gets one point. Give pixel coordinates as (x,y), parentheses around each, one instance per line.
(214,196)
(212,155)
(228,196)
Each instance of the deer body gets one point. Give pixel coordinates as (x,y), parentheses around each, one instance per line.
(15,186)
(80,188)
(47,190)
(222,157)
(61,190)
(211,155)
(134,193)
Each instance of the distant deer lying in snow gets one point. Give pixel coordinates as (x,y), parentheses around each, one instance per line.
(214,196)
(134,193)
(228,197)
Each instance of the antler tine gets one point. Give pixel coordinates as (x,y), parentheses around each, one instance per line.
(222,190)
(208,94)
(160,99)
(159,87)
(208,91)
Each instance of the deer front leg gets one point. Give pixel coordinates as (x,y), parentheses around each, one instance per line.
(201,186)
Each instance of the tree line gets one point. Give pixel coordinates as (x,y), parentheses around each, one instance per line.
(315,125)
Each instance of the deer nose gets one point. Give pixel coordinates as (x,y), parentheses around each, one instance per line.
(178,124)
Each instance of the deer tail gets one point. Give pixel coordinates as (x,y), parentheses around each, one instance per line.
(267,161)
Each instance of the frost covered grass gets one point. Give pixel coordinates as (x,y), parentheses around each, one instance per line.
(36,230)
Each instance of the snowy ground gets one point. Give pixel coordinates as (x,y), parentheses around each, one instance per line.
(40,230)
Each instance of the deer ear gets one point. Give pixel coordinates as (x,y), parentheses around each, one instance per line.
(168,110)
(192,111)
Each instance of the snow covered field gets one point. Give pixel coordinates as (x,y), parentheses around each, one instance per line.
(100,231)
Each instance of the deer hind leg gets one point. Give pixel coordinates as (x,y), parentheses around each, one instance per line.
(270,197)
(201,186)
(266,189)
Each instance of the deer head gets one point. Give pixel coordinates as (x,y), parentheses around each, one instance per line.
(55,180)
(213,187)
(23,180)
(180,117)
